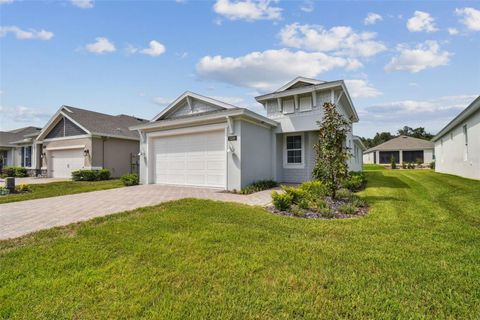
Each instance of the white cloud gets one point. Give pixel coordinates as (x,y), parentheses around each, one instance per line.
(342,40)
(100,46)
(423,56)
(249,10)
(24,114)
(84,4)
(441,104)
(372,18)
(307,6)
(270,68)
(470,18)
(361,89)
(421,21)
(6,1)
(452,31)
(155,49)
(26,34)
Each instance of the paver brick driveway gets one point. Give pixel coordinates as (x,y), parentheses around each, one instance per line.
(20,218)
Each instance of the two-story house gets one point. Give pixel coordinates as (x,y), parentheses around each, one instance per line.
(200,141)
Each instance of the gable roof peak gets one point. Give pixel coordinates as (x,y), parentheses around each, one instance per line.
(297,80)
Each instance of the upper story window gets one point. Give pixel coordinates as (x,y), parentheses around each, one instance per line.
(294,151)
(288,106)
(305,103)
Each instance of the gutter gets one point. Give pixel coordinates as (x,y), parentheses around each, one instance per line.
(196,119)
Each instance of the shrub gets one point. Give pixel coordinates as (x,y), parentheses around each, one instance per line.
(318,204)
(23,188)
(357,202)
(259,186)
(393,163)
(18,172)
(90,175)
(130,179)
(411,165)
(419,161)
(303,204)
(297,194)
(432,165)
(9,171)
(344,193)
(355,182)
(347,208)
(4,191)
(281,201)
(103,174)
(21,172)
(315,188)
(404,165)
(326,213)
(297,211)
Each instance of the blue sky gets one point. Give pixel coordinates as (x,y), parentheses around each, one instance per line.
(405,63)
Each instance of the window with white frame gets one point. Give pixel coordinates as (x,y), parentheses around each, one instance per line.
(465,136)
(305,103)
(288,106)
(294,151)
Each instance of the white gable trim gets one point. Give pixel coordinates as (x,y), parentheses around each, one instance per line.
(188,96)
(53,121)
(297,80)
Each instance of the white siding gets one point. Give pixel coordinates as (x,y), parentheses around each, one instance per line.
(450,150)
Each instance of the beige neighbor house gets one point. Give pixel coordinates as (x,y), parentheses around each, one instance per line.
(200,141)
(17,148)
(457,145)
(402,149)
(76,139)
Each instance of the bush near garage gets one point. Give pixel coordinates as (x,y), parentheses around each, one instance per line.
(91,175)
(130,179)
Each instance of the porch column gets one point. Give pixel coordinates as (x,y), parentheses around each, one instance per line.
(377,157)
(400,152)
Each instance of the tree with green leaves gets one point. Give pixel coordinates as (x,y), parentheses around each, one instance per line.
(332,154)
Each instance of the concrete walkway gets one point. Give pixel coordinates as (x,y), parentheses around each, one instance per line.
(20,218)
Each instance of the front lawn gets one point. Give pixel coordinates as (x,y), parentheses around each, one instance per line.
(415,255)
(54,189)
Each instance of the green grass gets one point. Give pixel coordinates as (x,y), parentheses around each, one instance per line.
(415,256)
(373,167)
(54,189)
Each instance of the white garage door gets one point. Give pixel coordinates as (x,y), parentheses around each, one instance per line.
(191,159)
(63,162)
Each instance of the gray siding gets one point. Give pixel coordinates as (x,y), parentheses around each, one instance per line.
(198,107)
(256,145)
(289,175)
(65,128)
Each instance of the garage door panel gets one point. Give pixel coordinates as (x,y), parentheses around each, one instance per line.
(63,162)
(192,159)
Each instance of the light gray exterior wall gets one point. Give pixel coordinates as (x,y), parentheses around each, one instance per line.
(234,157)
(296,175)
(453,156)
(256,163)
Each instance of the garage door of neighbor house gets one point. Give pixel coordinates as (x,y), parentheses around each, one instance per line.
(196,159)
(63,162)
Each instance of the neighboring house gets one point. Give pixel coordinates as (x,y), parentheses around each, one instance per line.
(357,154)
(76,139)
(200,141)
(457,145)
(17,147)
(402,149)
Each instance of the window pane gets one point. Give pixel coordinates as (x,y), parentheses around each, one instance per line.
(294,156)
(294,142)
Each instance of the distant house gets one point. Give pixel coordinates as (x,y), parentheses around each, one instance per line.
(457,145)
(76,139)
(17,147)
(402,149)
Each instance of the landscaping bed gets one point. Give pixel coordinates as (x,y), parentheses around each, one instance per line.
(311,200)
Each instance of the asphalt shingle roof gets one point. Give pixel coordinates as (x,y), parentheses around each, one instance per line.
(104,124)
(7,137)
(403,143)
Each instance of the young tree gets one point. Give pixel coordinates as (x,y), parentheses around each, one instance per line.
(332,155)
